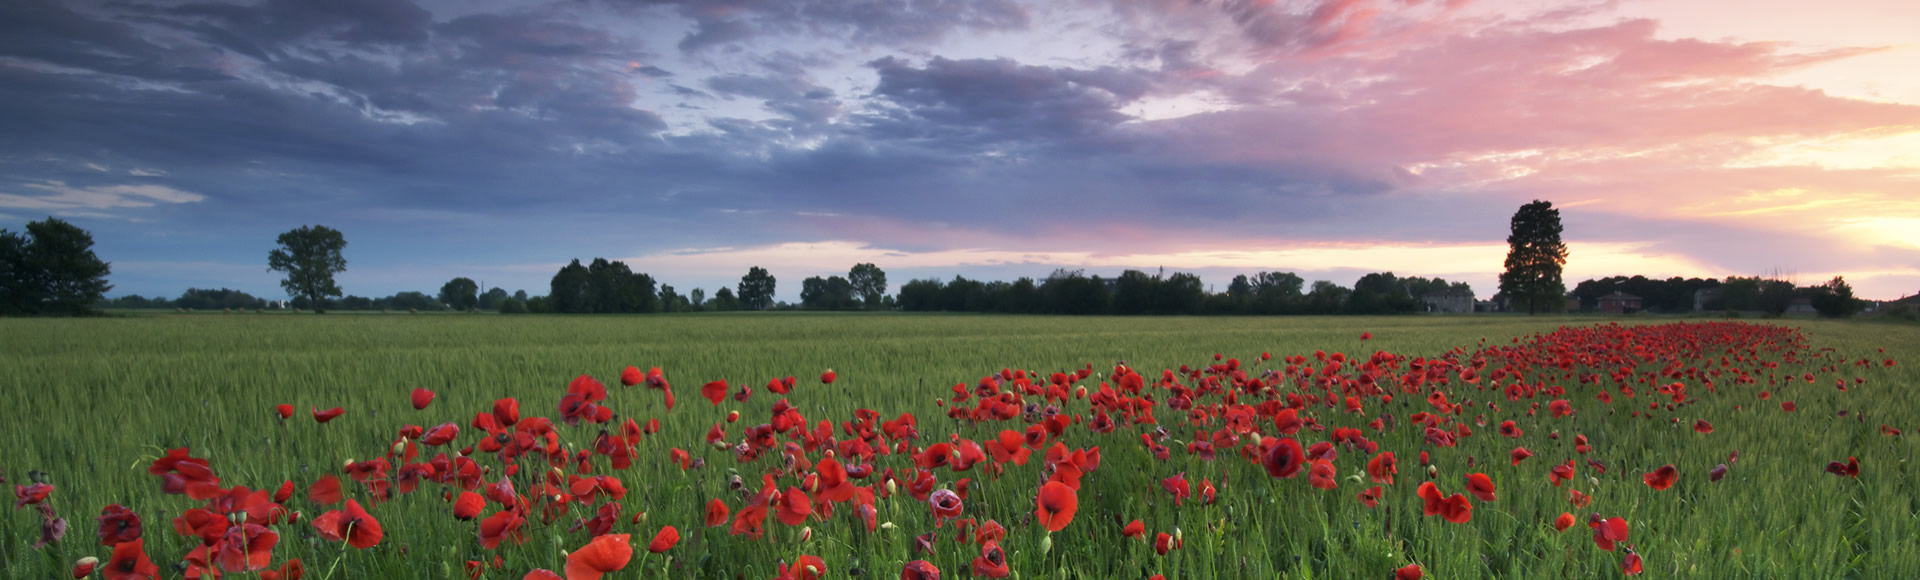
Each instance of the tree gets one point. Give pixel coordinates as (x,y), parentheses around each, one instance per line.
(1535,256)
(671,301)
(724,300)
(568,291)
(310,256)
(920,295)
(756,289)
(697,299)
(493,298)
(1834,299)
(869,283)
(51,270)
(460,294)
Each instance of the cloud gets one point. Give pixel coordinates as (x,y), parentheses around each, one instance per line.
(863,22)
(71,200)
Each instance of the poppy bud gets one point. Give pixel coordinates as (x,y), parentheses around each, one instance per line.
(1046,543)
(806,534)
(1593,481)
(1432,472)
(892,488)
(886,525)
(83,567)
(400,446)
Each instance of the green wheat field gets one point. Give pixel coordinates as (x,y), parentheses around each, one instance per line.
(88,404)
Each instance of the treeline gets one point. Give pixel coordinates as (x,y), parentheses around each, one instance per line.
(1136,292)
(1676,295)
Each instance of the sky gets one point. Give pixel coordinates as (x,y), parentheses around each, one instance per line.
(498,139)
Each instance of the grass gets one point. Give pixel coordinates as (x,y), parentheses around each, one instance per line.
(90,401)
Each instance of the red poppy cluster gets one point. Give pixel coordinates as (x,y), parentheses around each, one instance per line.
(506,475)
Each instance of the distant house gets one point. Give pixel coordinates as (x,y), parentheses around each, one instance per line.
(1800,306)
(1448,301)
(1619,303)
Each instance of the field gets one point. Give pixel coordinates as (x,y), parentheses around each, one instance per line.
(90,405)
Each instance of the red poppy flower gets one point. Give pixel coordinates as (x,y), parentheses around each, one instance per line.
(421,398)
(1178,486)
(793,507)
(632,376)
(1381,468)
(1409,572)
(1559,473)
(441,434)
(716,512)
(945,505)
(828,377)
(1454,508)
(541,574)
(919,570)
(601,555)
(31,494)
(1559,408)
(284,410)
(1580,444)
(1507,428)
(503,525)
(1480,486)
(1563,522)
(1849,469)
(1661,478)
(83,567)
(1321,475)
(326,491)
(1369,497)
(1134,529)
(1164,542)
(1520,453)
(245,548)
(1283,458)
(1702,426)
(1630,566)
(118,524)
(665,540)
(1057,505)
(506,411)
(129,562)
(469,505)
(1788,407)
(805,567)
(288,570)
(327,415)
(354,525)
(1718,472)
(1608,531)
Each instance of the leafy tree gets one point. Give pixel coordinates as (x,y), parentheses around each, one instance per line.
(1181,293)
(1535,256)
(513,306)
(671,301)
(1835,298)
(756,289)
(1277,292)
(570,290)
(812,291)
(869,283)
(493,298)
(51,270)
(199,299)
(520,295)
(697,299)
(724,300)
(920,295)
(1327,297)
(1134,292)
(310,256)
(411,300)
(460,294)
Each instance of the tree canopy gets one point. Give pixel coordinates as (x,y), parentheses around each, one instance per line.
(1535,256)
(310,256)
(50,270)
(460,294)
(756,289)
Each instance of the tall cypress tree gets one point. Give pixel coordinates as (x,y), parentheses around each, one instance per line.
(1534,257)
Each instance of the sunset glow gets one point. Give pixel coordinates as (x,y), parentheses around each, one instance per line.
(995,139)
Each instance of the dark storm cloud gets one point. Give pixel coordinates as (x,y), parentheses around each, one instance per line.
(1000,99)
(866,22)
